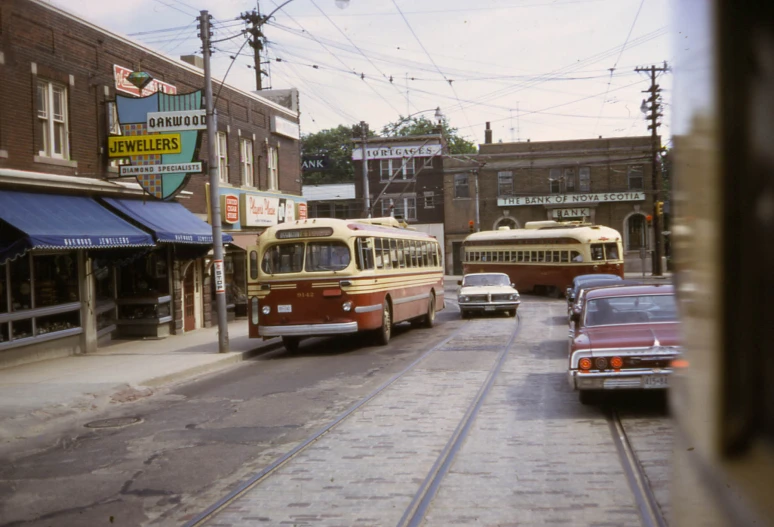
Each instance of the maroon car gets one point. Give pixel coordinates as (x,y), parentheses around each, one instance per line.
(623,338)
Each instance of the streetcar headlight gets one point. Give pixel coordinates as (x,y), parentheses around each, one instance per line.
(347,306)
(266,310)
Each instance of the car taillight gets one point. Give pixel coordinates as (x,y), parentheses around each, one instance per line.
(616,363)
(600,363)
(584,363)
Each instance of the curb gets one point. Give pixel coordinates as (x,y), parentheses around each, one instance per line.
(226,360)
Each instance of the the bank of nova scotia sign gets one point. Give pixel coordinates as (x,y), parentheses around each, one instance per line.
(160,135)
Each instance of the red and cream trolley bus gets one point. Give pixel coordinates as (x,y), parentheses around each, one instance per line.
(331,277)
(545,256)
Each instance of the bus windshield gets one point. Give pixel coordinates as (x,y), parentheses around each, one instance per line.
(288,258)
(326,256)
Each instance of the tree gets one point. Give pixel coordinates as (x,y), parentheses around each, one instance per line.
(337,144)
(422,125)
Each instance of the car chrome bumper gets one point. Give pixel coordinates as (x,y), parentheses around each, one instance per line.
(308,330)
(490,306)
(619,380)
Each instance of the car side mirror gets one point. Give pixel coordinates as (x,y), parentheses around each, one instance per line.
(459,282)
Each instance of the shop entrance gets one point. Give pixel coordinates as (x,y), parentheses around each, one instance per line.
(189,299)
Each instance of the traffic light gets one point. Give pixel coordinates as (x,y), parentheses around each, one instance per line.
(472,226)
(649,219)
(659,208)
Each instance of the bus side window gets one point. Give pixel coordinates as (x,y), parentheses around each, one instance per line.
(253,265)
(378,250)
(365,253)
(401,254)
(575,256)
(565,256)
(436,259)
(426,254)
(413,245)
(386,254)
(394,253)
(597,252)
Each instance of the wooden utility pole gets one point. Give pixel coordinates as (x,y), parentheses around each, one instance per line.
(651,107)
(256,21)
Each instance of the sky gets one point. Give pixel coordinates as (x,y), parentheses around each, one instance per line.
(535,69)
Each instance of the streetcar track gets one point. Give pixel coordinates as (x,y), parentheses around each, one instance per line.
(650,511)
(256,479)
(417,509)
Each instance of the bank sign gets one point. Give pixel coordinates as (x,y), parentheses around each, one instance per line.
(159,137)
(571,199)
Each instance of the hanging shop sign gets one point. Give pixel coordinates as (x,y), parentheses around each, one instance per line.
(160,136)
(121,74)
(582,212)
(571,199)
(284,127)
(229,206)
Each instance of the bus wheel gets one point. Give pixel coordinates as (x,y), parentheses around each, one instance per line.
(383,333)
(291,343)
(429,320)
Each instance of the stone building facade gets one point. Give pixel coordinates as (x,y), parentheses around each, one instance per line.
(602,181)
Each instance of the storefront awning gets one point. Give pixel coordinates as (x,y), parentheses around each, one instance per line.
(243,240)
(170,222)
(51,221)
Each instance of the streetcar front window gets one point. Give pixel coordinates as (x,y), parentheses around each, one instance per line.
(597,251)
(283,258)
(327,256)
(611,251)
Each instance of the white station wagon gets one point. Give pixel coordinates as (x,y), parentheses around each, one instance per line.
(487,293)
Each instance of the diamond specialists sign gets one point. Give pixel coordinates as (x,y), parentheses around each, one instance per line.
(160,136)
(123,84)
(571,199)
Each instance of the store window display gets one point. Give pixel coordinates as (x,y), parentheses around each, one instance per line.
(42,287)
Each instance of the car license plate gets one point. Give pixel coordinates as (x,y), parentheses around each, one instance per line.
(287,308)
(656,381)
(488,308)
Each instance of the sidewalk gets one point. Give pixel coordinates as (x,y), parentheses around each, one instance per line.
(38,396)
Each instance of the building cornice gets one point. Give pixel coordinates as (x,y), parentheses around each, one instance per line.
(42,181)
(175,62)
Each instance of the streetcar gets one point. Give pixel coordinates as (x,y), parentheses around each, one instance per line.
(326,276)
(722,388)
(545,256)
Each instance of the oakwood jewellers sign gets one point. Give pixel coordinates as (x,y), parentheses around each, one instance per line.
(567,199)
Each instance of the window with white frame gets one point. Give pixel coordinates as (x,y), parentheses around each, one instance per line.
(584,179)
(404,167)
(429,199)
(273,163)
(569,179)
(555,180)
(401,207)
(635,177)
(505,183)
(246,162)
(461,186)
(52,120)
(222,153)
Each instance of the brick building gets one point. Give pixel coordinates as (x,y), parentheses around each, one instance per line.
(405,179)
(602,181)
(61,76)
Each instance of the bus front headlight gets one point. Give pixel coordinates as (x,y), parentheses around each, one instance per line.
(266,310)
(347,306)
